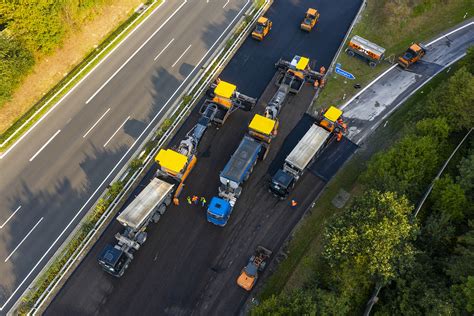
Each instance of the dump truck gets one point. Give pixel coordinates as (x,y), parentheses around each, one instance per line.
(310,19)
(365,49)
(256,143)
(257,263)
(327,127)
(412,55)
(262,28)
(147,207)
(223,99)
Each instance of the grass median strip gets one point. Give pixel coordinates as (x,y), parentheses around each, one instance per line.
(14,132)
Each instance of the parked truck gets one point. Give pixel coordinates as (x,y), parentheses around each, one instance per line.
(147,207)
(256,143)
(328,126)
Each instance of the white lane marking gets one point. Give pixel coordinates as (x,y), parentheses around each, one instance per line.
(45,144)
(152,122)
(118,129)
(10,217)
(136,52)
(172,40)
(393,66)
(181,56)
(75,86)
(225,5)
(24,238)
(100,118)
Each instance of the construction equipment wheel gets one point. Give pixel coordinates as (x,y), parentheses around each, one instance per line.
(350,53)
(372,64)
(168,201)
(162,209)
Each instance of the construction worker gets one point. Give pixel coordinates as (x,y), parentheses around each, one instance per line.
(322,70)
(195,199)
(203,201)
(293,203)
(189,200)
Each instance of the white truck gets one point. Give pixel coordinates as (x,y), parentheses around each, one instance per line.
(147,207)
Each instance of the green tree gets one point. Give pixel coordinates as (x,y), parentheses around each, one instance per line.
(449,198)
(468,60)
(15,62)
(37,23)
(466,174)
(406,168)
(454,101)
(437,128)
(374,235)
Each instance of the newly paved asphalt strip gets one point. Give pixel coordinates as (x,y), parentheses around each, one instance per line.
(371,107)
(50,179)
(188,266)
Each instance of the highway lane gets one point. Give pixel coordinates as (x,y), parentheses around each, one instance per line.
(188,265)
(55,172)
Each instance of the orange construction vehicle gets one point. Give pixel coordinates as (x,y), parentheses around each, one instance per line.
(413,54)
(263,27)
(331,120)
(310,20)
(365,49)
(257,263)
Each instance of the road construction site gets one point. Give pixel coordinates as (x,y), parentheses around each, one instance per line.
(189,266)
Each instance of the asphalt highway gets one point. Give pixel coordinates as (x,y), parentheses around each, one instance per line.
(189,266)
(55,173)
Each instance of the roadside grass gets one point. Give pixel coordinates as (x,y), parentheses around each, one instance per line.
(393,25)
(81,70)
(304,249)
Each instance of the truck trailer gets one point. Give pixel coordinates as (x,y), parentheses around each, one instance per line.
(147,207)
(327,127)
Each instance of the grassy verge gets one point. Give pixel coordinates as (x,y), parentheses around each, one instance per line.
(392,25)
(306,245)
(67,83)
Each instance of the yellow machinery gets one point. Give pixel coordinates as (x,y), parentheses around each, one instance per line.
(263,128)
(331,120)
(263,27)
(310,20)
(413,54)
(224,100)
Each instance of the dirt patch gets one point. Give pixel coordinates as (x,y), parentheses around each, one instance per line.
(51,69)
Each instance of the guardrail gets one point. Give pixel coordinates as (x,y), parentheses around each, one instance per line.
(197,89)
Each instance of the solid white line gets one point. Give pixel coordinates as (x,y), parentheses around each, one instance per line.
(75,86)
(181,56)
(225,5)
(100,118)
(152,122)
(46,144)
(9,218)
(118,129)
(24,238)
(447,34)
(136,52)
(172,40)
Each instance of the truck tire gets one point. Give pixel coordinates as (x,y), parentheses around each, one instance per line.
(262,266)
(168,201)
(161,209)
(350,53)
(372,64)
(156,217)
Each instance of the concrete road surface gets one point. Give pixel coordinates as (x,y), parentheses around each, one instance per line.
(370,108)
(52,176)
(189,266)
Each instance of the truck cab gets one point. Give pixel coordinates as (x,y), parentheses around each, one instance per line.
(218,211)
(263,27)
(114,260)
(281,184)
(413,54)
(310,19)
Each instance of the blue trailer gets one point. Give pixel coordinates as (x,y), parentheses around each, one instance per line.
(235,173)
